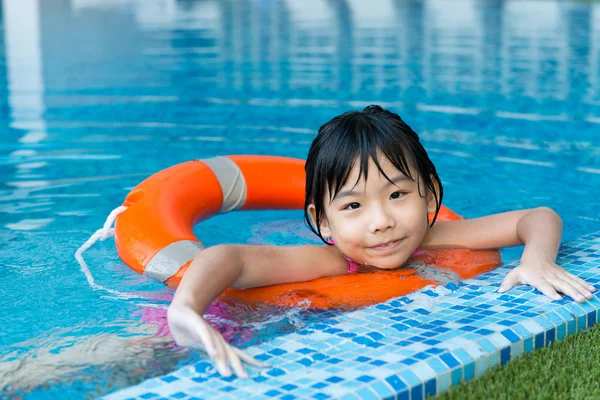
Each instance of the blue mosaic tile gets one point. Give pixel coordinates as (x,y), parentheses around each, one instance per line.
(469,371)
(481,365)
(404,348)
(450,361)
(456,376)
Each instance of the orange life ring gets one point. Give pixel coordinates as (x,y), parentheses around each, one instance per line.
(154,235)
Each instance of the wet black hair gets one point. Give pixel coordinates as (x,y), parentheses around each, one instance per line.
(361,135)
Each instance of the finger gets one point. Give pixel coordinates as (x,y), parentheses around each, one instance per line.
(546,288)
(512,278)
(235,362)
(577,285)
(220,358)
(222,368)
(566,288)
(218,355)
(584,283)
(249,359)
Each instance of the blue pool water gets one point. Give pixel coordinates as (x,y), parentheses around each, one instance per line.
(98,95)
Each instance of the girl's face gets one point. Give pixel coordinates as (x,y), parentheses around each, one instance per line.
(376,222)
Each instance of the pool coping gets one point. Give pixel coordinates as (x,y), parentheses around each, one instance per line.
(410,347)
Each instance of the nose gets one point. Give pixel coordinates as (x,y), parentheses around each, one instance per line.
(380,220)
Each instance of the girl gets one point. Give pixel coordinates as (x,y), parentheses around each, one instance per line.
(369,187)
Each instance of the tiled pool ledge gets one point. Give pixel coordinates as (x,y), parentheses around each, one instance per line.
(406,348)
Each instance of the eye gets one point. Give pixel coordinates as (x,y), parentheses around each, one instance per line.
(352,206)
(397,195)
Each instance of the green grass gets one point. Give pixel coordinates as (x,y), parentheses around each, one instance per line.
(569,369)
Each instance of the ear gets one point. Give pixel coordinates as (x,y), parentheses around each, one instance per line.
(324,225)
(431,204)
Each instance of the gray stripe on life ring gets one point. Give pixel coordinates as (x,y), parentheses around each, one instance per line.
(232,182)
(169,260)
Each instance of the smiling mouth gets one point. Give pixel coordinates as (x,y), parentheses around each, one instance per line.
(387,245)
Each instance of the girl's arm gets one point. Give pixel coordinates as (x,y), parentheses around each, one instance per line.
(217,268)
(244,266)
(540,229)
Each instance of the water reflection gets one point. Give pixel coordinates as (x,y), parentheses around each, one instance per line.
(346,48)
(97,358)
(75,357)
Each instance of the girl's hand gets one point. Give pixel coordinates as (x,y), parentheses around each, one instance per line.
(548,278)
(189,329)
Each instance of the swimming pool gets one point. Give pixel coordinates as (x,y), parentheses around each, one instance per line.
(98,95)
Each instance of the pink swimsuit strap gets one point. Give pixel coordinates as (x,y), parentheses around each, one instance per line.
(352,266)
